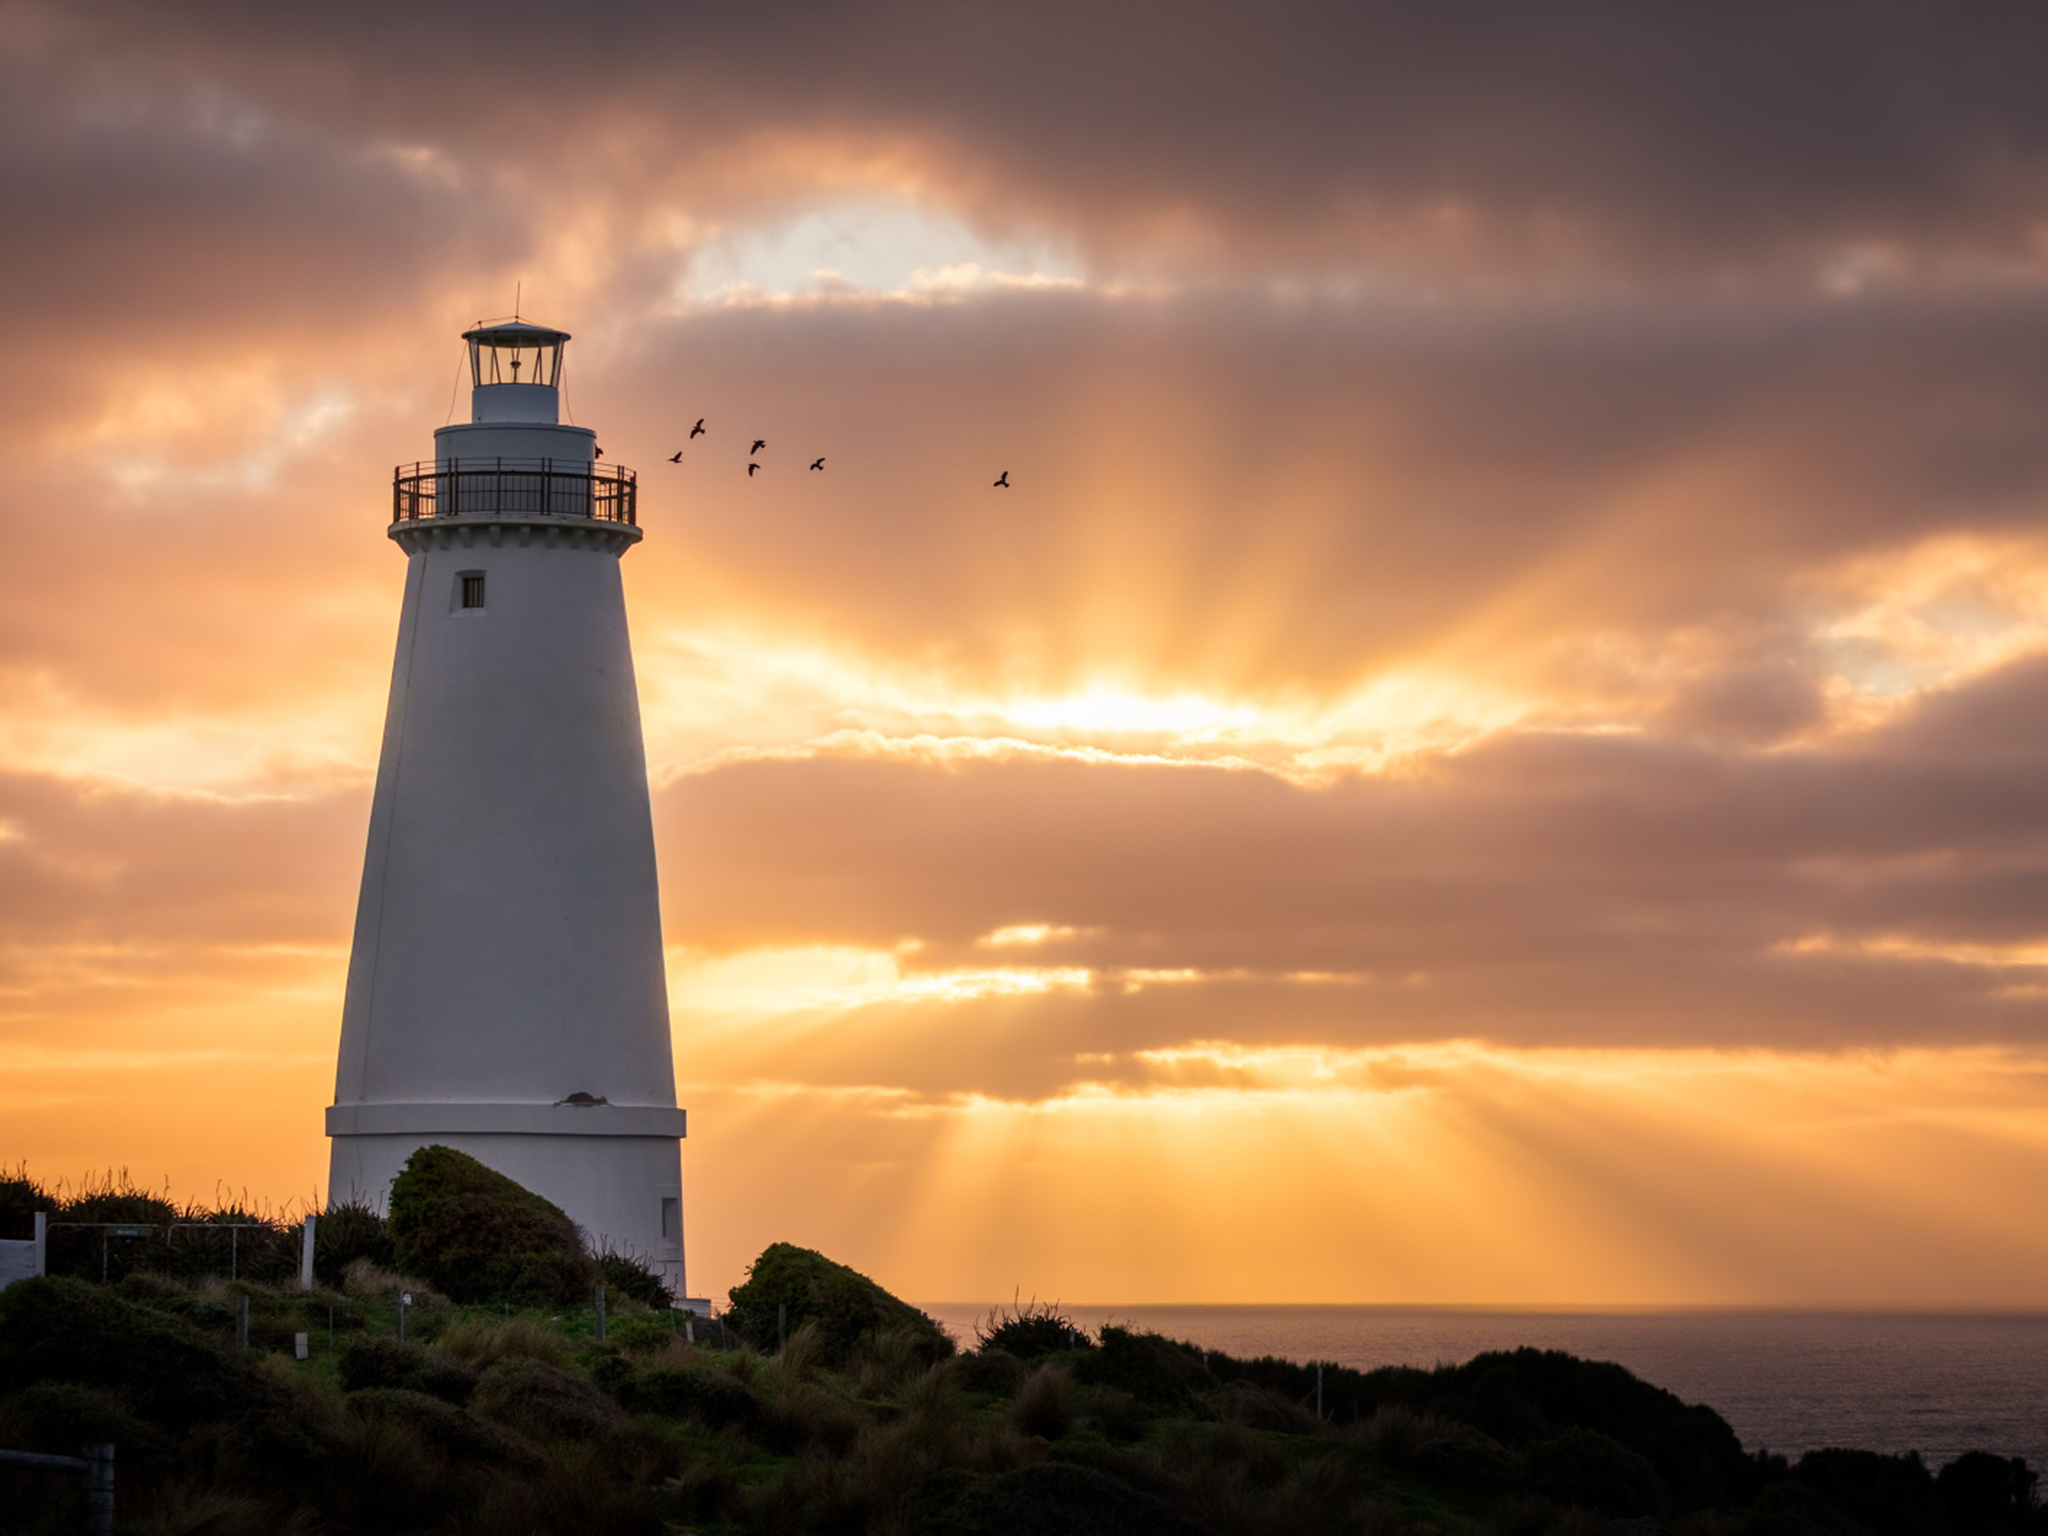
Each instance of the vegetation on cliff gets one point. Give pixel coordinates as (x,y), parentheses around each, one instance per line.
(488,1418)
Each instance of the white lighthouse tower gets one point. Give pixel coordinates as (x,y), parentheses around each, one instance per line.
(506,994)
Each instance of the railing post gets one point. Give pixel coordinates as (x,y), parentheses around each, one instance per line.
(99,1490)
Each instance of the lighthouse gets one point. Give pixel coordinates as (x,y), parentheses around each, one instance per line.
(506,994)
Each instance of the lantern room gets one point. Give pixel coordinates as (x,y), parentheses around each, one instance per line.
(515,371)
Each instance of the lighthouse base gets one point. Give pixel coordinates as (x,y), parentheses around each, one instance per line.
(625,1192)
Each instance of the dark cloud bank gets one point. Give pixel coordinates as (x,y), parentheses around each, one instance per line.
(1690,137)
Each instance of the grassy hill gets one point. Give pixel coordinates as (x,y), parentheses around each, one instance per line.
(823,1404)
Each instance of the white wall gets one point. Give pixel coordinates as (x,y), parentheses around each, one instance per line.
(23,1258)
(507,945)
(612,1186)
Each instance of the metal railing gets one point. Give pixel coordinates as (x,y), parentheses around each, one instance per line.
(443,488)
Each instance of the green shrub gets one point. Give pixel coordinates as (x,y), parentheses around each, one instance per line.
(20,1198)
(714,1397)
(1152,1368)
(1030,1331)
(1052,1499)
(1585,1468)
(60,1329)
(1466,1459)
(624,1275)
(540,1401)
(58,1417)
(434,1421)
(377,1363)
(470,1231)
(1986,1495)
(1886,1495)
(842,1303)
(641,1335)
(1525,1395)
(345,1233)
(991,1370)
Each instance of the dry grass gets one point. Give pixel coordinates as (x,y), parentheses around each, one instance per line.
(481,1345)
(365,1281)
(1397,1435)
(882,1365)
(187,1509)
(799,1356)
(1047,1404)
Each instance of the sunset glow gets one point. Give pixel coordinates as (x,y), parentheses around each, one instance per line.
(1489,749)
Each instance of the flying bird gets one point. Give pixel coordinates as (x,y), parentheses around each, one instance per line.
(817,463)
(675,458)
(750,470)
(600,453)
(698,430)
(759,444)
(1003,481)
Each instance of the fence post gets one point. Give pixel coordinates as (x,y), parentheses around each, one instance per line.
(242,1321)
(600,1313)
(99,1490)
(306,1257)
(41,1257)
(404,1301)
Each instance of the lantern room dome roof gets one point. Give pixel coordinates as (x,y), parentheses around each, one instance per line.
(514,333)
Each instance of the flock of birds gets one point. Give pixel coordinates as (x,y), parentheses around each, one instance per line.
(1002,481)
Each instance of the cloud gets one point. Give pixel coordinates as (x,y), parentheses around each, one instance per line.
(1535,889)
(1482,136)
(1520,587)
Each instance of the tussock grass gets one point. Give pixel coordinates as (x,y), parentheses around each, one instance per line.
(482,1343)
(366,1281)
(1396,1434)
(1047,1404)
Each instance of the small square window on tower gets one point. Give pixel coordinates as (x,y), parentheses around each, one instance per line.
(472,589)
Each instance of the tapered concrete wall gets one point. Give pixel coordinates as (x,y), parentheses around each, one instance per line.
(507,952)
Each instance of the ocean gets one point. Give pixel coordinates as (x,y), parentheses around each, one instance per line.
(1940,1383)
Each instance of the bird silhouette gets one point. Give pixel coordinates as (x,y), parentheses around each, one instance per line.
(675,458)
(698,430)
(750,470)
(759,444)
(817,463)
(1003,481)
(600,453)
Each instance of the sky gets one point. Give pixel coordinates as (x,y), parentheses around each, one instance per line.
(1495,749)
